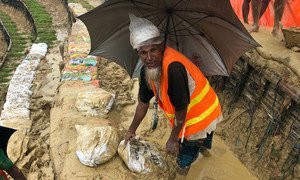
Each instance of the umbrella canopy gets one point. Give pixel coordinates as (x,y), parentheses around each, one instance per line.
(207,31)
(5,134)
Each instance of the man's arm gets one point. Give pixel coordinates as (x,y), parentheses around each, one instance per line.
(144,96)
(180,98)
(172,143)
(139,115)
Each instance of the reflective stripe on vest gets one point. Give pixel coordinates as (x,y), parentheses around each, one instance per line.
(204,105)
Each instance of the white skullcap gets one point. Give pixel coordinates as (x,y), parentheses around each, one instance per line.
(143,32)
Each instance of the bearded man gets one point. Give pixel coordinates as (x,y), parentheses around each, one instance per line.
(182,92)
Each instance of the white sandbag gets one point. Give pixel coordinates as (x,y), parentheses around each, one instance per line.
(39,48)
(95,102)
(19,92)
(140,156)
(96,144)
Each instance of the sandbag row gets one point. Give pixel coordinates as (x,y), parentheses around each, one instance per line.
(18,95)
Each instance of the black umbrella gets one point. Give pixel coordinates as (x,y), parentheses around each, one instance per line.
(206,29)
(5,134)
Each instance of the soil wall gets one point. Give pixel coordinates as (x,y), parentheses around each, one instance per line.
(261,118)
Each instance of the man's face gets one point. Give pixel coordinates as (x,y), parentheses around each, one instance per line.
(151,55)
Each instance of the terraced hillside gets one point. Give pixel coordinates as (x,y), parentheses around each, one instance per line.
(4,41)
(43,22)
(21,40)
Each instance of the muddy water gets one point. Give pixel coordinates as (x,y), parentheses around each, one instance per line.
(222,164)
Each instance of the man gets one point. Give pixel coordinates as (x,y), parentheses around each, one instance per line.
(5,163)
(181,90)
(258,9)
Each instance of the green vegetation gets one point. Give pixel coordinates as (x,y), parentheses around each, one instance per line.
(84,4)
(16,54)
(19,41)
(43,22)
(7,70)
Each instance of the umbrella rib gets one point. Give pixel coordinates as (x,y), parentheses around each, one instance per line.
(140,2)
(176,39)
(184,20)
(187,20)
(194,27)
(111,4)
(186,7)
(161,20)
(166,30)
(208,39)
(137,7)
(179,1)
(211,15)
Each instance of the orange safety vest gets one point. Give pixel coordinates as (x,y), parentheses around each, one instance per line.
(204,105)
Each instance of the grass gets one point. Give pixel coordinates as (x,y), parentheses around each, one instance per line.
(16,54)
(17,39)
(43,22)
(7,70)
(5,74)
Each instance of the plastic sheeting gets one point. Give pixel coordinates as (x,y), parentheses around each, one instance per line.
(79,72)
(79,66)
(96,102)
(140,156)
(18,94)
(96,144)
(141,30)
(290,18)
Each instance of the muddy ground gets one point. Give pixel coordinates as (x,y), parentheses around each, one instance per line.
(3,46)
(37,162)
(267,156)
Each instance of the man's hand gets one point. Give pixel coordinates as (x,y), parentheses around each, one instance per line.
(129,136)
(172,146)
(139,115)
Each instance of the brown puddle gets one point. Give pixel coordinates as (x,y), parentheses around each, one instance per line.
(222,164)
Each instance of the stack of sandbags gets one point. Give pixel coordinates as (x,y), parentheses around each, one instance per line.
(18,95)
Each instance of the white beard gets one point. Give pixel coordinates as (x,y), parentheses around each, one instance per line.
(153,74)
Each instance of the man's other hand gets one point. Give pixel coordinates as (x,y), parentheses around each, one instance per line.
(129,136)
(172,146)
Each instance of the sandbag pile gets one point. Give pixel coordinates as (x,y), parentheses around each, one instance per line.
(18,95)
(96,144)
